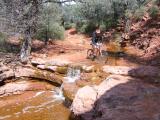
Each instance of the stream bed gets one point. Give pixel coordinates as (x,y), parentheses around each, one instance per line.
(38,105)
(49,104)
(41,105)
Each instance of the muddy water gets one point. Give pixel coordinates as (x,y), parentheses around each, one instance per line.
(120,56)
(33,106)
(114,53)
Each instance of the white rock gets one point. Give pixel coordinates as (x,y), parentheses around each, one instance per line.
(84,100)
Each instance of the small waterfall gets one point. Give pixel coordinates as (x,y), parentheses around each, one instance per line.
(58,93)
(73,74)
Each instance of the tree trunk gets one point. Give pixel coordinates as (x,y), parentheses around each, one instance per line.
(26,47)
(127,25)
(46,39)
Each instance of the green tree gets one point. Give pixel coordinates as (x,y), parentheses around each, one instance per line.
(50,14)
(23,17)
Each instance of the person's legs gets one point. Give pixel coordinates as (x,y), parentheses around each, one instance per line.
(97,51)
(100,53)
(94,49)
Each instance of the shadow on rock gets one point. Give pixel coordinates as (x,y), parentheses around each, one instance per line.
(118,98)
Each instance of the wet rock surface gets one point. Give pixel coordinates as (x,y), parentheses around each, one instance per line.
(39,74)
(19,87)
(6,73)
(69,91)
(55,62)
(118,98)
(140,71)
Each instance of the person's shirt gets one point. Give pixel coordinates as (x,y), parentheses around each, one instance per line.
(94,37)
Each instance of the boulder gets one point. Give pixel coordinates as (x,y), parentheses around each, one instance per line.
(70,90)
(110,82)
(87,96)
(84,100)
(117,98)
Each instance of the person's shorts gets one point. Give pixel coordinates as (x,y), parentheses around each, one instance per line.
(97,45)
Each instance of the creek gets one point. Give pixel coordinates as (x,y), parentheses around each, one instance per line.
(49,104)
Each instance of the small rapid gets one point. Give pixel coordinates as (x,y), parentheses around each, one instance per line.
(58,93)
(73,74)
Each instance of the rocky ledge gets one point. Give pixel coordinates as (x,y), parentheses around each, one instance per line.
(118,98)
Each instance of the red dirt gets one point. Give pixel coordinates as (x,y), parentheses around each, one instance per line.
(74,48)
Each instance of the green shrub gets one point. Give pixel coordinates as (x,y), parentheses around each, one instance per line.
(58,31)
(79,26)
(55,31)
(157,2)
(103,27)
(2,41)
(2,38)
(110,22)
(68,26)
(153,12)
(7,46)
(86,27)
(83,28)
(139,13)
(128,14)
(90,27)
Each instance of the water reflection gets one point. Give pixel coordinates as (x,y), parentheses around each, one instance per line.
(41,106)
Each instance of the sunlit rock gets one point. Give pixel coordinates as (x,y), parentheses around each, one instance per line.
(58,62)
(84,100)
(38,62)
(116,98)
(70,90)
(141,71)
(88,69)
(38,74)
